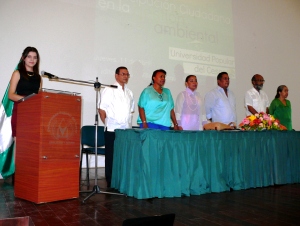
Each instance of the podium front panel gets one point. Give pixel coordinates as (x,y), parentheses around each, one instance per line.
(48,147)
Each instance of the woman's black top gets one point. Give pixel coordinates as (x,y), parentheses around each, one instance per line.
(28,85)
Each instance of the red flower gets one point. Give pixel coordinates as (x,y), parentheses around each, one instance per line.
(256,121)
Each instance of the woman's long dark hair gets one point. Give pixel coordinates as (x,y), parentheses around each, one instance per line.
(279,89)
(154,74)
(21,65)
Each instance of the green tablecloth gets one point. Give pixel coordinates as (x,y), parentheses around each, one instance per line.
(153,163)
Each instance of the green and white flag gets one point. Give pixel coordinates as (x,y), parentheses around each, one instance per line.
(7,164)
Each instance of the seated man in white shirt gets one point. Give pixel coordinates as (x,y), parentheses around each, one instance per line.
(256,100)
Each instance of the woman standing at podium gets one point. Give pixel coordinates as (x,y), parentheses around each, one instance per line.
(24,81)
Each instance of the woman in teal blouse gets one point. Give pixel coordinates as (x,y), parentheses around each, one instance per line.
(280,107)
(156,105)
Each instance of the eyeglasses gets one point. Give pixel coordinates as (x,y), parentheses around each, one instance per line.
(260,80)
(124,74)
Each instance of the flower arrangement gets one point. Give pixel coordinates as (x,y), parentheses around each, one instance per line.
(261,121)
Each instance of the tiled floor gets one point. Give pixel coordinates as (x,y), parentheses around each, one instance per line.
(276,205)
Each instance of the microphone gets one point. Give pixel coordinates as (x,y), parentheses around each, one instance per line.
(48,75)
(97,84)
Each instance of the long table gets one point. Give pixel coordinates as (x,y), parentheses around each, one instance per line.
(153,163)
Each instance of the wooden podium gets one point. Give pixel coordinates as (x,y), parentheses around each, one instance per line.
(48,147)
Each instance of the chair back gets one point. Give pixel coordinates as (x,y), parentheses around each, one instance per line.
(88,136)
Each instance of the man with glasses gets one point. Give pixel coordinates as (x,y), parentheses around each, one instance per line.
(256,100)
(115,109)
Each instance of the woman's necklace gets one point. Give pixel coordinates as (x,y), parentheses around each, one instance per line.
(158,89)
(30,73)
(192,104)
(160,95)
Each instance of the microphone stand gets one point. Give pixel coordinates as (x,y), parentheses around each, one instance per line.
(78,82)
(96,188)
(97,85)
